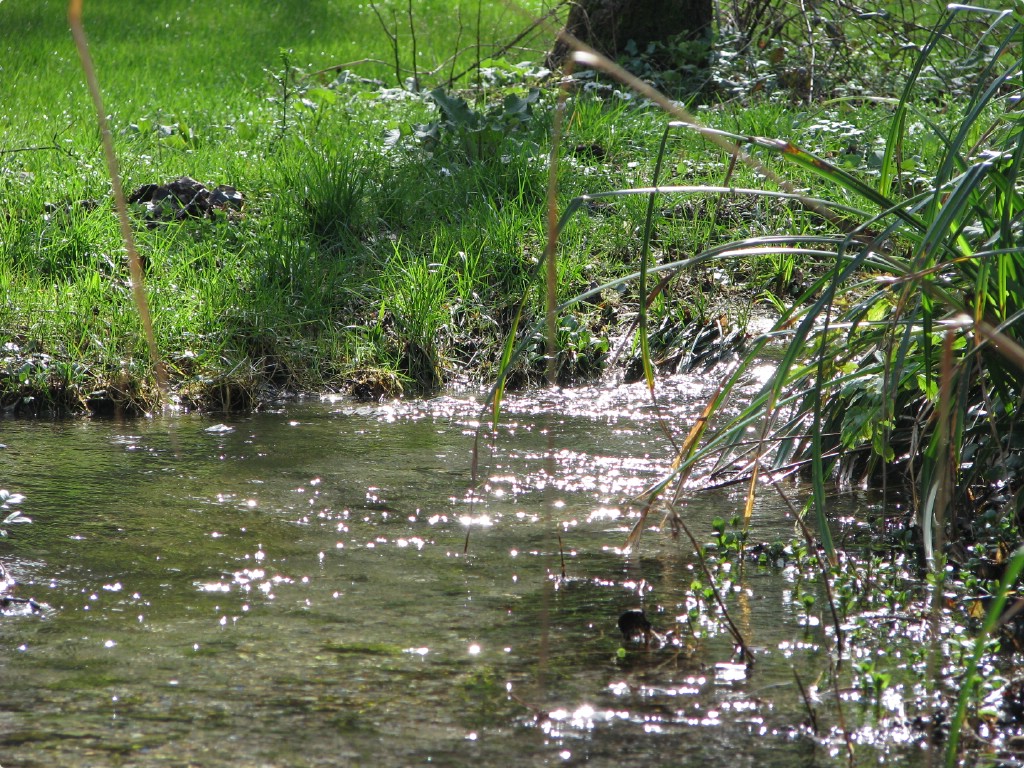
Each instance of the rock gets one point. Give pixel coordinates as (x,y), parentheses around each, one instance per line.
(185,198)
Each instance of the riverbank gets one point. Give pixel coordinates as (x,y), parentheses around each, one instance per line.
(371,239)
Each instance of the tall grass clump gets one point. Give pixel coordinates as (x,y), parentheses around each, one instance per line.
(899,361)
(859,390)
(415,295)
(908,270)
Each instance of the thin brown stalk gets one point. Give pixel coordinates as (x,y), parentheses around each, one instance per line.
(1005,345)
(807,702)
(737,636)
(812,48)
(479,55)
(458,39)
(120,204)
(393,38)
(946,460)
(841,717)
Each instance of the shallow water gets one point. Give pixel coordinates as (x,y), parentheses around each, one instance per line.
(291,589)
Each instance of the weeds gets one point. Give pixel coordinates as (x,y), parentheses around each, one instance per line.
(477,135)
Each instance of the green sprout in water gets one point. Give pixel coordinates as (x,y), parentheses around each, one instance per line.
(874,684)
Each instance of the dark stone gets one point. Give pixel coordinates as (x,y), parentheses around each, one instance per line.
(185,198)
(635,626)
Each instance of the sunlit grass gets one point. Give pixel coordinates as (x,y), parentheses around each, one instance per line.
(335,174)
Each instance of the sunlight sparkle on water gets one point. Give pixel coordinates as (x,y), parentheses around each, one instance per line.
(415,541)
(482,520)
(762,374)
(216,586)
(583,718)
(730,673)
(605,513)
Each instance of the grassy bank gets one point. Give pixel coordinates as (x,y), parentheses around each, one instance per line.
(286,292)
(377,240)
(383,241)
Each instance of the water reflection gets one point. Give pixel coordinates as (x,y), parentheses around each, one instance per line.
(294,588)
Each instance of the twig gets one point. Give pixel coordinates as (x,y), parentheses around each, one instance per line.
(29,149)
(55,147)
(807,702)
(812,49)
(393,37)
(341,67)
(6,601)
(458,39)
(733,629)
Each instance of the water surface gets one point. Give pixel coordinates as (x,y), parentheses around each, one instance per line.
(293,588)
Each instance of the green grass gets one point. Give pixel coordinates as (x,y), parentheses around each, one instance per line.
(216,94)
(386,236)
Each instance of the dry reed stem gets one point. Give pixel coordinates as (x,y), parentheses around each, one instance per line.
(134,263)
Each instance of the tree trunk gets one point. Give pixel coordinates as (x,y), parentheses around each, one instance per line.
(608,25)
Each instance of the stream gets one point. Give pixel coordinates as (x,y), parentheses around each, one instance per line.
(314,585)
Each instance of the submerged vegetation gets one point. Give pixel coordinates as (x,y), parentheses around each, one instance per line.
(382,228)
